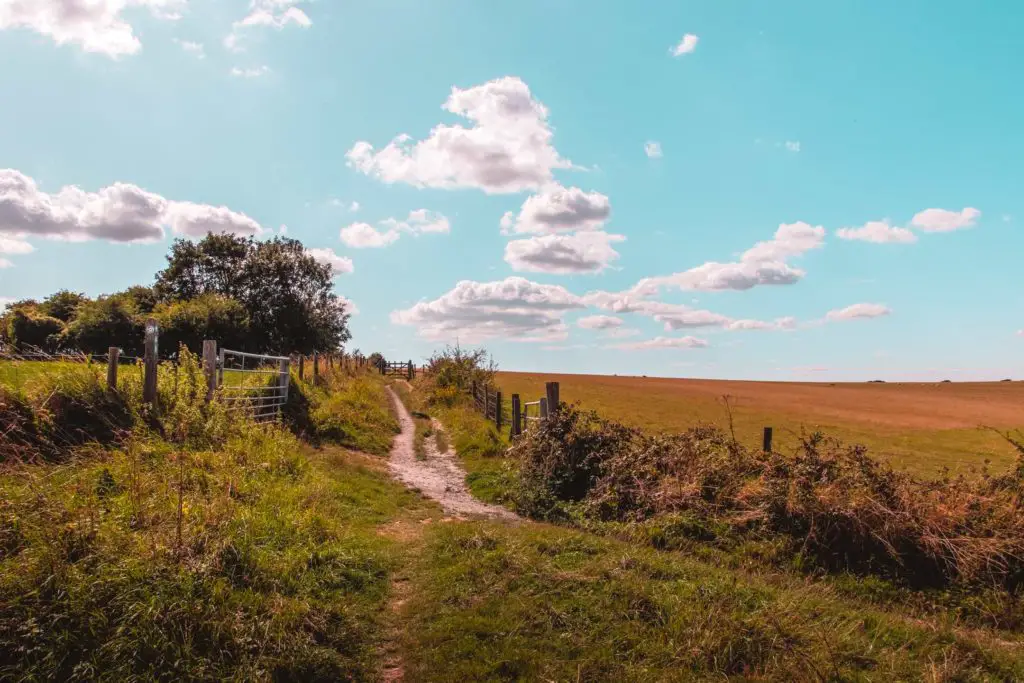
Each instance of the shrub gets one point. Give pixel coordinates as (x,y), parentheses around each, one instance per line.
(450,373)
(839,508)
(31,328)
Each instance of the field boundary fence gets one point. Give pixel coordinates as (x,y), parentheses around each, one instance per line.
(252,383)
(397,369)
(489,401)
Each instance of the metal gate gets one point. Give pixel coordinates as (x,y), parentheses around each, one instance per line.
(253,383)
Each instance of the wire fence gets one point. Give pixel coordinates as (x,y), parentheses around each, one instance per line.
(253,383)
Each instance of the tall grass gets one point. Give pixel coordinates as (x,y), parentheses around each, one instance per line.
(346,408)
(193,545)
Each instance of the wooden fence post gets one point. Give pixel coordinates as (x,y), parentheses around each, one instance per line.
(497,410)
(552,396)
(411,372)
(517,416)
(149,365)
(210,366)
(767,443)
(316,368)
(543,408)
(113,354)
(302,367)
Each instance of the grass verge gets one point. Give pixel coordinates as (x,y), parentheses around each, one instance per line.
(535,602)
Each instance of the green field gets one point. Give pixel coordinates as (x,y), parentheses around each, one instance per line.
(922,427)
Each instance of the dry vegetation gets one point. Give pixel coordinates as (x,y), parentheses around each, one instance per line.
(920,427)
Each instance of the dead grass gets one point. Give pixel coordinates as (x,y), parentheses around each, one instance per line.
(922,427)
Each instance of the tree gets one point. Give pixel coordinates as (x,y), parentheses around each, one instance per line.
(210,316)
(144,298)
(287,294)
(62,304)
(108,321)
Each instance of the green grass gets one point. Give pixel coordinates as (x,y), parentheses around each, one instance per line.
(424,431)
(279,572)
(915,439)
(349,410)
(533,602)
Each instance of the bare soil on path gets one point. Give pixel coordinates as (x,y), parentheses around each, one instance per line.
(439,475)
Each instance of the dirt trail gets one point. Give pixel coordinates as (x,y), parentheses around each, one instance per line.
(439,476)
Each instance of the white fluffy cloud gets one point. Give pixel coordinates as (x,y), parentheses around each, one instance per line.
(507,149)
(664,343)
(857,311)
(583,252)
(685,46)
(195,220)
(513,308)
(879,232)
(653,150)
(364,235)
(118,213)
(419,222)
(339,264)
(559,209)
(599,322)
(94,25)
(762,264)
(942,220)
(14,245)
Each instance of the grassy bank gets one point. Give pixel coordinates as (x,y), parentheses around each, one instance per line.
(201,547)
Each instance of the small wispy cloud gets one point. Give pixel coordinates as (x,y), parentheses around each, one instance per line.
(792,145)
(195,49)
(686,46)
(255,72)
(653,150)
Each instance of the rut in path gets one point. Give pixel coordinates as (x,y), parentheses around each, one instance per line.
(439,476)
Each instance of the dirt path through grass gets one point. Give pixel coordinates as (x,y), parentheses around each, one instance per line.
(439,475)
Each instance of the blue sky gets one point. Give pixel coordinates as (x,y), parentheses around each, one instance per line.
(796,191)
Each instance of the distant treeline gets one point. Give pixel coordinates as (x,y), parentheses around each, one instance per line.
(265,296)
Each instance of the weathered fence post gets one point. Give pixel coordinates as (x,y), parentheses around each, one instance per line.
(316,368)
(412,373)
(517,416)
(767,444)
(302,366)
(551,389)
(220,368)
(543,408)
(149,364)
(113,354)
(210,366)
(497,410)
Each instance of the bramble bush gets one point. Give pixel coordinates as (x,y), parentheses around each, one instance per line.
(839,508)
